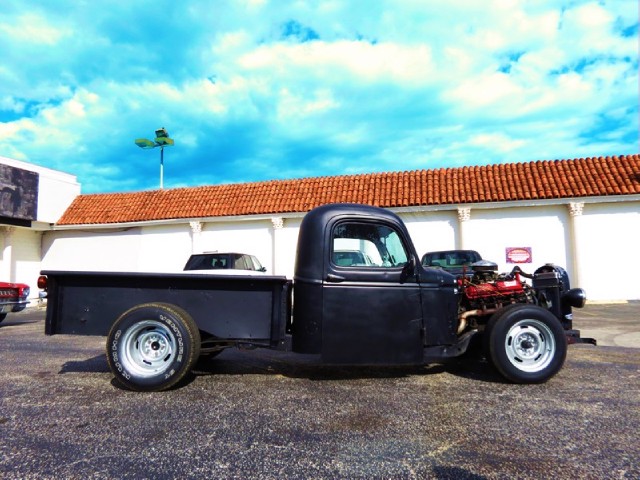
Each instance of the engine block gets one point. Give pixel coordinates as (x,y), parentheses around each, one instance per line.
(486,289)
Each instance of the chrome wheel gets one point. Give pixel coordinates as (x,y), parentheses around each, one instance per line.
(152,347)
(530,345)
(148,348)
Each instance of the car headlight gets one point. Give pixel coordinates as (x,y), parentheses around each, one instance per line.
(576,297)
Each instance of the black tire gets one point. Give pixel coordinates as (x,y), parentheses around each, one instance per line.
(486,334)
(526,343)
(151,347)
(2,316)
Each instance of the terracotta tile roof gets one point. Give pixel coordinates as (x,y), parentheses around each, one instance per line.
(616,175)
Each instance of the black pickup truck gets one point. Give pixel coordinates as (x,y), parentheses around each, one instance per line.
(390,310)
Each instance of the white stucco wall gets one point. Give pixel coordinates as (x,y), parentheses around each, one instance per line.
(166,248)
(20,256)
(163,248)
(432,231)
(139,249)
(604,230)
(252,237)
(285,247)
(608,243)
(99,250)
(491,232)
(56,192)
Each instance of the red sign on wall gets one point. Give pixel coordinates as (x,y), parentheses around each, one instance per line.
(519,255)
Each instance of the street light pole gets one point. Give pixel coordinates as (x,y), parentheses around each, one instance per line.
(162,140)
(161,166)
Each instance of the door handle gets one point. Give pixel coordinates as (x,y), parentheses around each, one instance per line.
(335,278)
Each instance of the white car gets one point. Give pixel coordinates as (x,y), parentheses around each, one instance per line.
(225,263)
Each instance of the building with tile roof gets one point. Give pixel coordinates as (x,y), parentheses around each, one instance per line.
(542,180)
(583,214)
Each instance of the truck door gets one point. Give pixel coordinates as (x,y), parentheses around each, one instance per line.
(371,305)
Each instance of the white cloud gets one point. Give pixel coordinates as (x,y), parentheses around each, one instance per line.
(590,16)
(492,90)
(256,89)
(292,106)
(361,61)
(32,28)
(496,141)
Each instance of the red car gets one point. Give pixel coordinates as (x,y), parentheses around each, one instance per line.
(13,298)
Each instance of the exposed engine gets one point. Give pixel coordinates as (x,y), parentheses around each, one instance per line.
(485,288)
(485,291)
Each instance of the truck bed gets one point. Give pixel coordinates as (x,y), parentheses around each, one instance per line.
(254,309)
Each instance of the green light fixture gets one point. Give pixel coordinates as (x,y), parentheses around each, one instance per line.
(162,140)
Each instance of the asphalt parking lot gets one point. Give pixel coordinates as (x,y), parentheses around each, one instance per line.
(263,414)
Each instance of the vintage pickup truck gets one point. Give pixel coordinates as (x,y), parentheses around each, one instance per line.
(390,310)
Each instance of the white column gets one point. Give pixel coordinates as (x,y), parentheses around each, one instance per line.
(6,267)
(196,233)
(464,215)
(575,237)
(278,224)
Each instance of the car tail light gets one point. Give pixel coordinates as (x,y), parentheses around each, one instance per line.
(42,282)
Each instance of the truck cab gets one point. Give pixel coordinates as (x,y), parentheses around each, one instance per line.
(386,310)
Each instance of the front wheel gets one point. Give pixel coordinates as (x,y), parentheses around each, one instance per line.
(152,346)
(526,343)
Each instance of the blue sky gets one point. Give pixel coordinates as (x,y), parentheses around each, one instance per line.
(255,90)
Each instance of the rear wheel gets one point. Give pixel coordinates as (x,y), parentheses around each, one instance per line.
(526,343)
(151,347)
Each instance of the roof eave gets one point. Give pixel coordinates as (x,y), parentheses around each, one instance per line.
(178,221)
(412,209)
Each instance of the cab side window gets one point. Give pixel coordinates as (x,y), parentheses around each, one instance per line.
(367,245)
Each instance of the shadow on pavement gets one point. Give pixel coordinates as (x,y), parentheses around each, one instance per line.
(265,362)
(97,364)
(310,367)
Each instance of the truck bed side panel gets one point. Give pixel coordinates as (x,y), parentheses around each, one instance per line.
(246,308)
